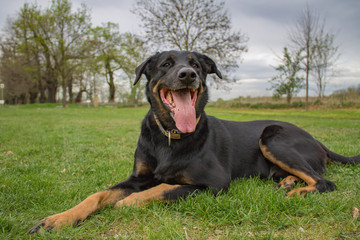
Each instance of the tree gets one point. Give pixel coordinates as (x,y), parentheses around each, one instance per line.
(287,82)
(308,33)
(14,73)
(44,49)
(33,21)
(119,53)
(21,60)
(192,25)
(52,43)
(67,39)
(133,51)
(324,57)
(107,39)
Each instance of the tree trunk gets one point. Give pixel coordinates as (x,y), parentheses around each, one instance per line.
(52,89)
(33,97)
(307,76)
(111,88)
(64,85)
(288,98)
(78,98)
(70,89)
(42,98)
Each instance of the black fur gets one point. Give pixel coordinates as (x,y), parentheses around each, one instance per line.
(218,151)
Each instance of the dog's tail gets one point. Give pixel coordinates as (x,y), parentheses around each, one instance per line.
(334,157)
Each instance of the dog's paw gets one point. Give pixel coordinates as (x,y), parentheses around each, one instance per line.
(301,192)
(286,186)
(288,183)
(56,221)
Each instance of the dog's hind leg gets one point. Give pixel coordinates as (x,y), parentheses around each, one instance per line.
(280,147)
(288,183)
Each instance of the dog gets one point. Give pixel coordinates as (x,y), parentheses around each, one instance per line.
(182,151)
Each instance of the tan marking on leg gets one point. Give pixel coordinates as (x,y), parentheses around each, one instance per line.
(183,179)
(141,169)
(301,191)
(308,179)
(288,182)
(268,155)
(141,198)
(327,160)
(81,211)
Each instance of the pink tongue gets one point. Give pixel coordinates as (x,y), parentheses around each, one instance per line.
(185,114)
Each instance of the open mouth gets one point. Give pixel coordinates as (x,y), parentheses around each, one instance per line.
(181,103)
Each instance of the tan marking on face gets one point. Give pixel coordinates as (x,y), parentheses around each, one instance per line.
(155,89)
(199,94)
(155,92)
(141,198)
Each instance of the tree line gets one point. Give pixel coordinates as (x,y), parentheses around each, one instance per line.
(47,50)
(44,50)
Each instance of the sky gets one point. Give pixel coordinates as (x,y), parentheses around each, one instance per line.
(265,22)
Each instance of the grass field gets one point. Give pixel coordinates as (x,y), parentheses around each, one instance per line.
(52,158)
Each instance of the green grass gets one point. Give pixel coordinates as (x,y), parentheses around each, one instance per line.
(52,158)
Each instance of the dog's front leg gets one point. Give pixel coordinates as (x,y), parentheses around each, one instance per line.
(94,203)
(162,192)
(81,211)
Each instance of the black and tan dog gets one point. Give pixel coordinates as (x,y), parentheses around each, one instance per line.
(181,150)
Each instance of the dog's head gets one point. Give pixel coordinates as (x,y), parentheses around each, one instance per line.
(176,87)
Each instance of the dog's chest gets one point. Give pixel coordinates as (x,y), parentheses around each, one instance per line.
(172,168)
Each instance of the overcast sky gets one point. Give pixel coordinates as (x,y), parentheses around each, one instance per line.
(265,22)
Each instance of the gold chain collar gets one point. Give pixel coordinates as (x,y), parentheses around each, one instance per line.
(171,133)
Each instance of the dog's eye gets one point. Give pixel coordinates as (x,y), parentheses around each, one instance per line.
(195,65)
(166,65)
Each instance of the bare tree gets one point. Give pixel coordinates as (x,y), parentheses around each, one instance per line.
(325,54)
(306,28)
(310,31)
(192,25)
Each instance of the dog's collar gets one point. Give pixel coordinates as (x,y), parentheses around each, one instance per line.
(171,133)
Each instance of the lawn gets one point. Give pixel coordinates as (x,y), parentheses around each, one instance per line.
(52,158)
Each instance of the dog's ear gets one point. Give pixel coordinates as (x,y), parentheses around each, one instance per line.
(210,66)
(141,69)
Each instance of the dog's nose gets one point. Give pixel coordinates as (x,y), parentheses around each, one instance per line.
(187,75)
